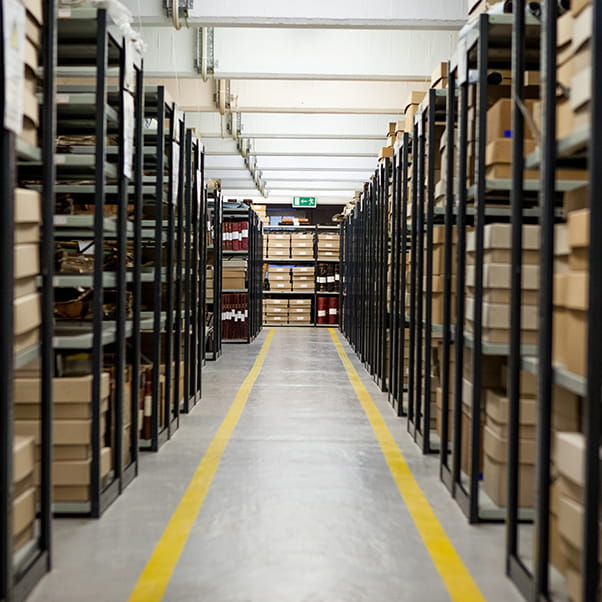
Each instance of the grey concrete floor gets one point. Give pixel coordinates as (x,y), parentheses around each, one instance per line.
(302,508)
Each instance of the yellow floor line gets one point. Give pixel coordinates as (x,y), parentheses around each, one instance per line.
(455,575)
(156,575)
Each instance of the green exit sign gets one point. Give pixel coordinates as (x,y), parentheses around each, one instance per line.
(304,201)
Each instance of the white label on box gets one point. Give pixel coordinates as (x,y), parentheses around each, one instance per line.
(14,72)
(175,150)
(321,313)
(332,312)
(64,13)
(129,120)
(62,99)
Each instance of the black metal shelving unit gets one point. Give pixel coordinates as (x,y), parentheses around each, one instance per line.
(89,46)
(213,245)
(253,255)
(427,136)
(315,261)
(21,569)
(485,46)
(366,315)
(195,273)
(158,235)
(581,150)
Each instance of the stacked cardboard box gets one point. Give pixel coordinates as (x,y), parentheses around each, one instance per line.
(71,431)
(24,491)
(275,311)
(329,245)
(491,378)
(438,274)
(498,157)
(411,106)
(580,64)
(495,446)
(496,283)
(262,212)
(279,278)
(302,246)
(571,295)
(569,496)
(210,283)
(439,76)
(278,246)
(26,269)
(300,311)
(438,371)
(234,273)
(304,279)
(33,43)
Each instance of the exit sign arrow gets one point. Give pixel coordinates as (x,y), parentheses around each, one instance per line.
(304,201)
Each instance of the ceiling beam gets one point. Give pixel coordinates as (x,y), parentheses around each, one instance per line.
(382,14)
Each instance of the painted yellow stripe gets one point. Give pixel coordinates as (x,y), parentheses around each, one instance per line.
(156,575)
(455,575)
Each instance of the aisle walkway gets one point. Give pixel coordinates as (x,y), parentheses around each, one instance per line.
(303,506)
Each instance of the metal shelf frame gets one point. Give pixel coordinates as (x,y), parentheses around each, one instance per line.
(17,580)
(254,255)
(105,49)
(158,106)
(214,221)
(314,229)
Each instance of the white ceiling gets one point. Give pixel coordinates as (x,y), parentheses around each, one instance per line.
(312,84)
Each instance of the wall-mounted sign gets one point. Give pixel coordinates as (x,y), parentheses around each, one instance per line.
(304,201)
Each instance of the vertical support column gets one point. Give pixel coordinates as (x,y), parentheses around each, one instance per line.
(419,401)
(413,274)
(514,359)
(98,295)
(546,288)
(448,278)
(477,317)
(7,206)
(401,410)
(136,284)
(121,277)
(428,289)
(47,265)
(460,266)
(591,573)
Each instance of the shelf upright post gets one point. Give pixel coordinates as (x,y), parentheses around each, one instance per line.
(97,300)
(48,110)
(121,276)
(405,158)
(170,271)
(590,563)
(189,250)
(394,309)
(201,217)
(460,264)
(477,317)
(419,402)
(386,316)
(515,569)
(428,289)
(179,265)
(382,256)
(448,277)
(218,225)
(546,287)
(158,281)
(136,281)
(412,414)
(7,205)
